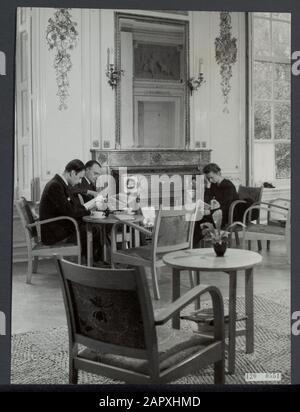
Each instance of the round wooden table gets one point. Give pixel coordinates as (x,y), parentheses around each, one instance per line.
(102,222)
(233,261)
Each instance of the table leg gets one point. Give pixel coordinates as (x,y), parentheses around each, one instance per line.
(197,301)
(136,238)
(124,232)
(232,322)
(249,311)
(176,295)
(89,229)
(131,240)
(104,242)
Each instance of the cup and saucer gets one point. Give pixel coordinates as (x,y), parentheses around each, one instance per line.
(98,214)
(129,211)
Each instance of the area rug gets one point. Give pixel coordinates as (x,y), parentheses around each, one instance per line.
(42,357)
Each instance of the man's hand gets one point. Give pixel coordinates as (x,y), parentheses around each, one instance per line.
(92,193)
(214,204)
(206,182)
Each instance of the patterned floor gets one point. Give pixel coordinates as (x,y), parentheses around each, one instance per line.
(42,357)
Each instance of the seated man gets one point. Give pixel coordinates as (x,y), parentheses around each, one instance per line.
(58,200)
(220,193)
(87,187)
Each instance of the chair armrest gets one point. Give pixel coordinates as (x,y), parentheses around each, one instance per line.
(134,226)
(231,209)
(279,199)
(263,206)
(163,315)
(233,226)
(55,219)
(271,203)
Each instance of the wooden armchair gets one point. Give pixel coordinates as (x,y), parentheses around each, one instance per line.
(279,220)
(268,231)
(35,248)
(173,230)
(247,196)
(110,313)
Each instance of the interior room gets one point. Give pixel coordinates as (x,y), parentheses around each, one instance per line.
(156,94)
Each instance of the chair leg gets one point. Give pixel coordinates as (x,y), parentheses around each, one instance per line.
(35,264)
(73,373)
(259,245)
(29,269)
(249,244)
(219,372)
(237,238)
(197,281)
(155,282)
(191,276)
(268,244)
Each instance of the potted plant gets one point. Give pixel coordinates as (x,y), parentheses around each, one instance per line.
(214,233)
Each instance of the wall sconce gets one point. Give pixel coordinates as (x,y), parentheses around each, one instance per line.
(112,73)
(194,83)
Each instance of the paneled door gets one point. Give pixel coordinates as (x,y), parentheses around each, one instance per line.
(23,117)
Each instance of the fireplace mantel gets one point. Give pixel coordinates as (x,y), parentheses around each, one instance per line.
(153,160)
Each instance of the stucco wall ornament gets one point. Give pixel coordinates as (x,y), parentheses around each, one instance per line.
(226,55)
(62,35)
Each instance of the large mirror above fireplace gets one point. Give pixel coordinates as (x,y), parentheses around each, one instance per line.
(152,98)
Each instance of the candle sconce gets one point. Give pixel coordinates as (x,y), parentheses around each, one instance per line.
(194,83)
(114,75)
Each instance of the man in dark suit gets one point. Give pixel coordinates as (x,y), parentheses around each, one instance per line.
(58,200)
(220,194)
(86,189)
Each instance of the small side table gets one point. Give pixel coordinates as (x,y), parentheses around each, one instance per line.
(92,221)
(206,260)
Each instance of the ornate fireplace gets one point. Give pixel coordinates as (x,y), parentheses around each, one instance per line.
(153,163)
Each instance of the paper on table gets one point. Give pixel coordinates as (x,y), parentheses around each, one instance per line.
(117,202)
(123,216)
(90,204)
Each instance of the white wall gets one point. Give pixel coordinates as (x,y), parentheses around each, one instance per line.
(60,135)
(63,135)
(89,120)
(224,133)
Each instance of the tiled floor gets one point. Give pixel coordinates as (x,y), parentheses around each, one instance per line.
(39,305)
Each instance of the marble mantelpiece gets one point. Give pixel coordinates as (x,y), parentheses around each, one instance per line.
(147,162)
(153,160)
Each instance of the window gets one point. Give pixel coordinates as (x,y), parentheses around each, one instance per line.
(271,98)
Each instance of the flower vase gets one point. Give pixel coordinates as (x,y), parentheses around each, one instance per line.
(220,248)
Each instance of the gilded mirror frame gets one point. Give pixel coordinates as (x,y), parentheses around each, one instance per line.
(184,23)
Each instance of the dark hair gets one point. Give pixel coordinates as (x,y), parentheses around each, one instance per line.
(76,165)
(211,167)
(91,163)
